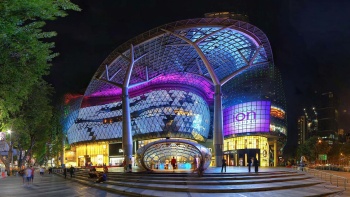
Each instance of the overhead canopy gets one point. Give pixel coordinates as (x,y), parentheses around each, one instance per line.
(227,44)
(185,151)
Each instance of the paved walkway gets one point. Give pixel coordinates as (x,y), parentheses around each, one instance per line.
(48,185)
(334,179)
(229,169)
(53,185)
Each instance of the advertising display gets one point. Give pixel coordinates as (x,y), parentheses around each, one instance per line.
(247,117)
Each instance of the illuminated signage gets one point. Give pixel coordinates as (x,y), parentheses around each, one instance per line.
(278,112)
(247,117)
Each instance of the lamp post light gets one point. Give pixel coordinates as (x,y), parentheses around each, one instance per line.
(9,131)
(341,159)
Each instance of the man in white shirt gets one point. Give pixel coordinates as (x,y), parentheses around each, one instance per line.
(28,175)
(42,170)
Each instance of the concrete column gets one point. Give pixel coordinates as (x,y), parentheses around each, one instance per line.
(275,159)
(236,160)
(218,138)
(127,136)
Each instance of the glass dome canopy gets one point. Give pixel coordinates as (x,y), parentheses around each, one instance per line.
(184,151)
(227,44)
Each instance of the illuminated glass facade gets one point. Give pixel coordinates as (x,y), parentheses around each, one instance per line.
(173,74)
(247,117)
(158,113)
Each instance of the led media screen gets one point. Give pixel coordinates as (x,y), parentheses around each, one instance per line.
(247,117)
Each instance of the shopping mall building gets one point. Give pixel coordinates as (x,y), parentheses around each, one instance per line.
(203,88)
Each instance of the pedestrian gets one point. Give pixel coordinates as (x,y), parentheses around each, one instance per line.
(173,163)
(195,163)
(200,168)
(158,164)
(93,173)
(32,176)
(102,177)
(42,170)
(105,169)
(124,165)
(28,173)
(71,171)
(130,165)
(65,172)
(223,164)
(22,173)
(250,161)
(302,162)
(256,165)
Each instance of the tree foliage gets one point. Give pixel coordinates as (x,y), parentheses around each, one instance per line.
(312,148)
(24,56)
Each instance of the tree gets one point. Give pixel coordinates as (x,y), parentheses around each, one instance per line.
(24,56)
(55,143)
(31,124)
(334,153)
(24,59)
(312,148)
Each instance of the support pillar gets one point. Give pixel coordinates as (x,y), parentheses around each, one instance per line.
(218,138)
(275,159)
(127,136)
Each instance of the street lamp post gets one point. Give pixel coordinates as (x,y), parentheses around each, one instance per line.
(9,131)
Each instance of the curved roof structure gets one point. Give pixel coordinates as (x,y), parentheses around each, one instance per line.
(166,54)
(162,150)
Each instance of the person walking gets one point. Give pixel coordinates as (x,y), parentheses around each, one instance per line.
(22,173)
(28,173)
(124,165)
(173,163)
(65,172)
(256,165)
(71,171)
(223,164)
(42,171)
(302,162)
(32,176)
(250,161)
(195,163)
(130,165)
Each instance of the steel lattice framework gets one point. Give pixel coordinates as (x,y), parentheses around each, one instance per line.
(228,44)
(196,55)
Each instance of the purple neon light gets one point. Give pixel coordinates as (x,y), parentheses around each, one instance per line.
(247,117)
(178,78)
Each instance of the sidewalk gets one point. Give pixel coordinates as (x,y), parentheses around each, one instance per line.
(340,174)
(54,185)
(229,169)
(48,185)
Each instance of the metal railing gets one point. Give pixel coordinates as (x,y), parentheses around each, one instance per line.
(339,181)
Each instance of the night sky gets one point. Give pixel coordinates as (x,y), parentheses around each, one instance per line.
(309,40)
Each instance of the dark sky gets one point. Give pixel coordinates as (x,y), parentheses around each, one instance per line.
(310,40)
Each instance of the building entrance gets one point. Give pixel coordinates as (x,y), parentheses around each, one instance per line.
(245,154)
(157,155)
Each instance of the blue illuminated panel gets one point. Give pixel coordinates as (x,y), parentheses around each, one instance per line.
(158,111)
(247,117)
